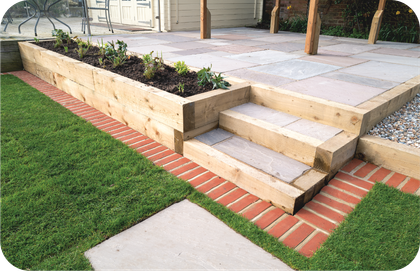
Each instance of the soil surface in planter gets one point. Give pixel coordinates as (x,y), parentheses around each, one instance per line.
(167,79)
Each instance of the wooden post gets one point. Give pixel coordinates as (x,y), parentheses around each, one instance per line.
(376,23)
(274,26)
(317,33)
(205,23)
(311,36)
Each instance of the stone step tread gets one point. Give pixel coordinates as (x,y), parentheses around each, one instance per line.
(303,126)
(259,157)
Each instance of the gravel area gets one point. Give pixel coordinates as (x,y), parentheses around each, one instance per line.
(403,126)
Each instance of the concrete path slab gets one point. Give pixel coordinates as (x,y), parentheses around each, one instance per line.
(284,46)
(264,57)
(349,48)
(266,114)
(334,90)
(260,77)
(269,161)
(182,237)
(214,136)
(384,71)
(334,60)
(361,80)
(397,52)
(389,58)
(296,69)
(313,129)
(219,64)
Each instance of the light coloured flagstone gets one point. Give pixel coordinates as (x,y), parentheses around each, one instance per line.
(415,49)
(361,80)
(313,129)
(260,77)
(397,52)
(154,48)
(284,46)
(384,71)
(266,114)
(395,45)
(277,38)
(144,42)
(264,57)
(334,60)
(334,90)
(349,48)
(219,64)
(390,59)
(214,136)
(269,161)
(184,236)
(296,69)
(190,45)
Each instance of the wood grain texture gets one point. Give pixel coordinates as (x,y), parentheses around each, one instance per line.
(311,30)
(375,27)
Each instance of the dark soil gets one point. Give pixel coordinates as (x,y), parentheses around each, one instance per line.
(167,79)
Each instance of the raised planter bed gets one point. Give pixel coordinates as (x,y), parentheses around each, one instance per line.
(162,116)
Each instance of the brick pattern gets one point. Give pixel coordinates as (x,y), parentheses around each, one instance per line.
(304,232)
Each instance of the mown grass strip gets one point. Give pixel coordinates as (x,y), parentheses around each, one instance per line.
(66,186)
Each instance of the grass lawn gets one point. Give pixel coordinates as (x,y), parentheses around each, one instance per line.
(66,186)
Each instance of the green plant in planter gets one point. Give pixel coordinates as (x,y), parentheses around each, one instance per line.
(66,49)
(102,47)
(83,47)
(60,37)
(206,76)
(181,68)
(152,64)
(36,40)
(117,56)
(181,87)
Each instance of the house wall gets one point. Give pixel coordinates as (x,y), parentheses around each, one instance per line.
(185,14)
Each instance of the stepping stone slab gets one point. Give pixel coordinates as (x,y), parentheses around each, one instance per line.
(397,52)
(155,48)
(260,77)
(264,159)
(284,46)
(214,136)
(349,48)
(334,60)
(183,236)
(266,114)
(296,69)
(390,58)
(313,129)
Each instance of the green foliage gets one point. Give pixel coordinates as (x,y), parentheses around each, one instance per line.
(83,47)
(117,56)
(66,49)
(206,76)
(36,40)
(181,87)
(102,47)
(181,68)
(60,37)
(152,64)
(295,24)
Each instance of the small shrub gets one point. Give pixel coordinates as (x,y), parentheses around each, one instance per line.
(117,56)
(83,47)
(66,49)
(206,76)
(152,65)
(60,37)
(101,47)
(181,68)
(36,40)
(181,87)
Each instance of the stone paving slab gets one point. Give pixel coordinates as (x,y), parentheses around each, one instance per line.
(214,136)
(171,37)
(296,69)
(155,48)
(190,45)
(269,161)
(219,64)
(184,236)
(361,80)
(397,52)
(395,45)
(322,51)
(390,59)
(384,71)
(334,90)
(260,77)
(334,60)
(264,57)
(237,49)
(349,48)
(415,49)
(192,52)
(284,46)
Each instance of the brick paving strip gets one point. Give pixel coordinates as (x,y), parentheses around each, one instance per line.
(304,232)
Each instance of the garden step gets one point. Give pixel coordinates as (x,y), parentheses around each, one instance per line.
(270,175)
(284,133)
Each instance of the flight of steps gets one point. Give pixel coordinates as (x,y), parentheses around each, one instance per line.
(276,156)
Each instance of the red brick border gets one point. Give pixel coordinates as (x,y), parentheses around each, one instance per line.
(304,232)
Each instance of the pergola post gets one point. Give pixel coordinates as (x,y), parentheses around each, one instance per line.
(205,21)
(274,26)
(314,29)
(376,23)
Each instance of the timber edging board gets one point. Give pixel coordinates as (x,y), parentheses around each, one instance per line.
(10,56)
(162,116)
(391,155)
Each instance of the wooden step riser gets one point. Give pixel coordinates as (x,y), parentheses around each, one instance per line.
(292,144)
(289,197)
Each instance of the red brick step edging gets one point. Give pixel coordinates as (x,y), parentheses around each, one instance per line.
(304,232)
